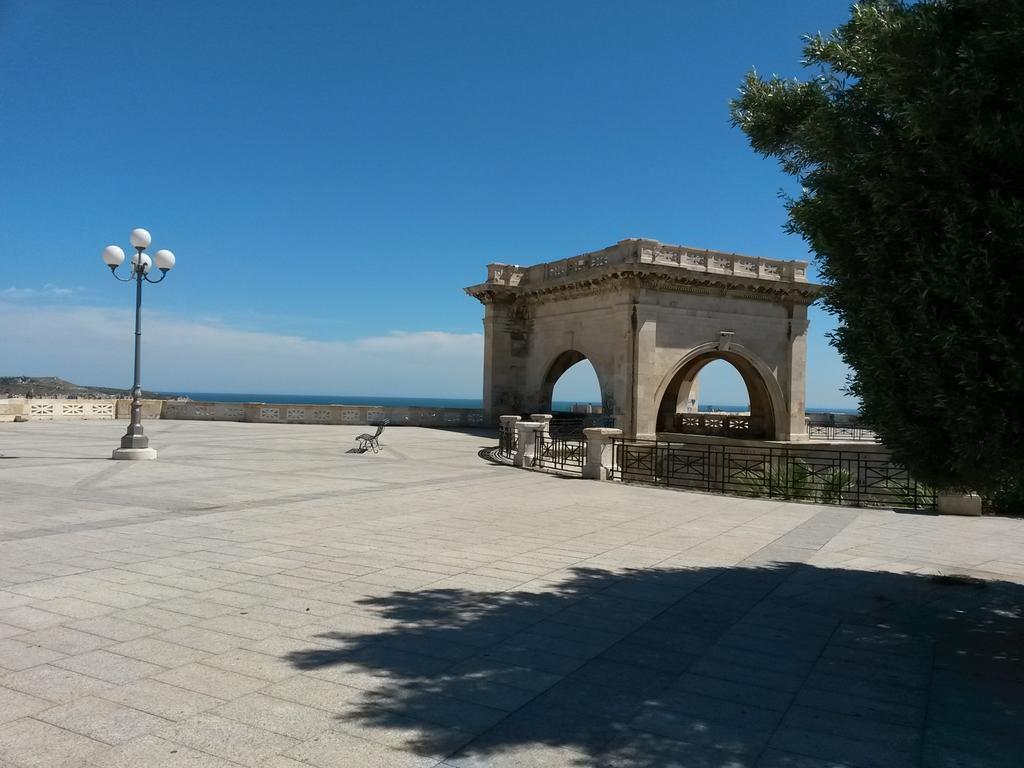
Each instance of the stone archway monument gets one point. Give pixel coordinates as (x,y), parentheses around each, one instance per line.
(648,317)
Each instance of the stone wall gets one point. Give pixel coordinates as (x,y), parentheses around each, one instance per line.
(11,408)
(299,413)
(47,409)
(53,409)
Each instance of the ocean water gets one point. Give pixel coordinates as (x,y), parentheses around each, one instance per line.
(705,407)
(396,402)
(424,402)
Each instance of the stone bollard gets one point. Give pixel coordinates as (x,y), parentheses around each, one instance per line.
(958,504)
(600,457)
(526,432)
(544,419)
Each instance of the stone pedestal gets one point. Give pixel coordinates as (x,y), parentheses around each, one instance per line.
(526,433)
(599,452)
(543,419)
(958,504)
(134,454)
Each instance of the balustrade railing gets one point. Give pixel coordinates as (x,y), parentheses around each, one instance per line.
(841,432)
(821,475)
(641,251)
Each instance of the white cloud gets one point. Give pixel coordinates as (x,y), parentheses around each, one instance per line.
(48,290)
(93,345)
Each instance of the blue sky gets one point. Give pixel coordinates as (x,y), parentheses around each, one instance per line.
(331,174)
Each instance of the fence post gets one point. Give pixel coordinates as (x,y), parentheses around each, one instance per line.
(526,432)
(600,457)
(543,420)
(723,464)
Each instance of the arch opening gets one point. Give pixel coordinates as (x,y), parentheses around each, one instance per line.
(678,411)
(571,380)
(719,388)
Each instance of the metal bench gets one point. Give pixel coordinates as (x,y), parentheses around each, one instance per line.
(368,442)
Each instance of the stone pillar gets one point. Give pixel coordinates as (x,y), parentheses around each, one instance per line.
(506,355)
(793,381)
(958,504)
(599,452)
(509,422)
(491,343)
(645,377)
(526,432)
(251,412)
(544,419)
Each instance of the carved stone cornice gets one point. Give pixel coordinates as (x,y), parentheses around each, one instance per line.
(646,277)
(639,264)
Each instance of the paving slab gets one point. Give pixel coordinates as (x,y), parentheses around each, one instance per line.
(260,597)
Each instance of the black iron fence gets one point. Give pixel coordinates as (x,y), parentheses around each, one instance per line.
(564,453)
(508,442)
(566,424)
(821,475)
(841,432)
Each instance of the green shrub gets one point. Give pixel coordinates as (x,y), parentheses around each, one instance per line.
(908,142)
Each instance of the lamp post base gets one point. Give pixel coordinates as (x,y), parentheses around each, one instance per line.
(134,454)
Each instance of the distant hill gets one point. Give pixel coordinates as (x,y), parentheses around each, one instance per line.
(51,386)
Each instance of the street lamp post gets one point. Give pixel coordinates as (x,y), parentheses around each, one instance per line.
(135,444)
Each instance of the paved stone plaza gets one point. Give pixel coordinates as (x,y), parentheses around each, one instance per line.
(259,597)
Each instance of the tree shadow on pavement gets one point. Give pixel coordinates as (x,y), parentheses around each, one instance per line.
(781,665)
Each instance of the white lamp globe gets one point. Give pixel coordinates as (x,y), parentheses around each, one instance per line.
(164,259)
(140,238)
(142,261)
(113,256)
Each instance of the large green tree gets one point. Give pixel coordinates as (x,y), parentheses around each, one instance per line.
(907,138)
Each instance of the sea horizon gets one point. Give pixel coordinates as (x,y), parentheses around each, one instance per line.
(425,402)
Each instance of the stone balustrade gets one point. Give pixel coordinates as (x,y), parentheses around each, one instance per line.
(23,409)
(305,413)
(652,252)
(61,409)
